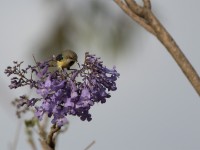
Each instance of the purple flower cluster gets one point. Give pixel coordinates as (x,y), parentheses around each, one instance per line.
(65,92)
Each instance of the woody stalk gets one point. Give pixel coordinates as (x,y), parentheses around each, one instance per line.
(144,16)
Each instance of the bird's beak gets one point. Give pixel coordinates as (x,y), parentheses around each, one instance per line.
(78,64)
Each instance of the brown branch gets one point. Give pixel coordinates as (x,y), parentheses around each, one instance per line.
(42,132)
(134,16)
(147,4)
(45,146)
(147,20)
(63,130)
(32,143)
(47,143)
(134,7)
(51,136)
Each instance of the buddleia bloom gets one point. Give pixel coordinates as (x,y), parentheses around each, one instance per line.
(64,92)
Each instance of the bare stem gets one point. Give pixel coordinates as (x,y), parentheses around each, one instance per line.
(145,17)
(51,136)
(90,145)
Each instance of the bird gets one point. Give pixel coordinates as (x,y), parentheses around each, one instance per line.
(66,59)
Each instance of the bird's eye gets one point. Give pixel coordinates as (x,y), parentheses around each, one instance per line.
(59,57)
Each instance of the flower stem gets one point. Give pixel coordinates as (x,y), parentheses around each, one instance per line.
(50,138)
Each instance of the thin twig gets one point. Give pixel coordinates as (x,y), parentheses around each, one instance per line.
(29,124)
(63,130)
(31,141)
(149,21)
(42,131)
(36,62)
(90,145)
(50,138)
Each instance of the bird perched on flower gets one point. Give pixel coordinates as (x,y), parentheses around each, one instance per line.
(66,59)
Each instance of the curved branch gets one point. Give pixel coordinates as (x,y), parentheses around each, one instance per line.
(134,16)
(134,7)
(148,20)
(147,4)
(51,136)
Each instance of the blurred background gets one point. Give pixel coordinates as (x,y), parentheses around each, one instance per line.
(155,107)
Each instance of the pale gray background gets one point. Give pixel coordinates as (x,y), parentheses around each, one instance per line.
(154,108)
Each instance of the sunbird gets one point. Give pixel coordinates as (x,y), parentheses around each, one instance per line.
(66,59)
